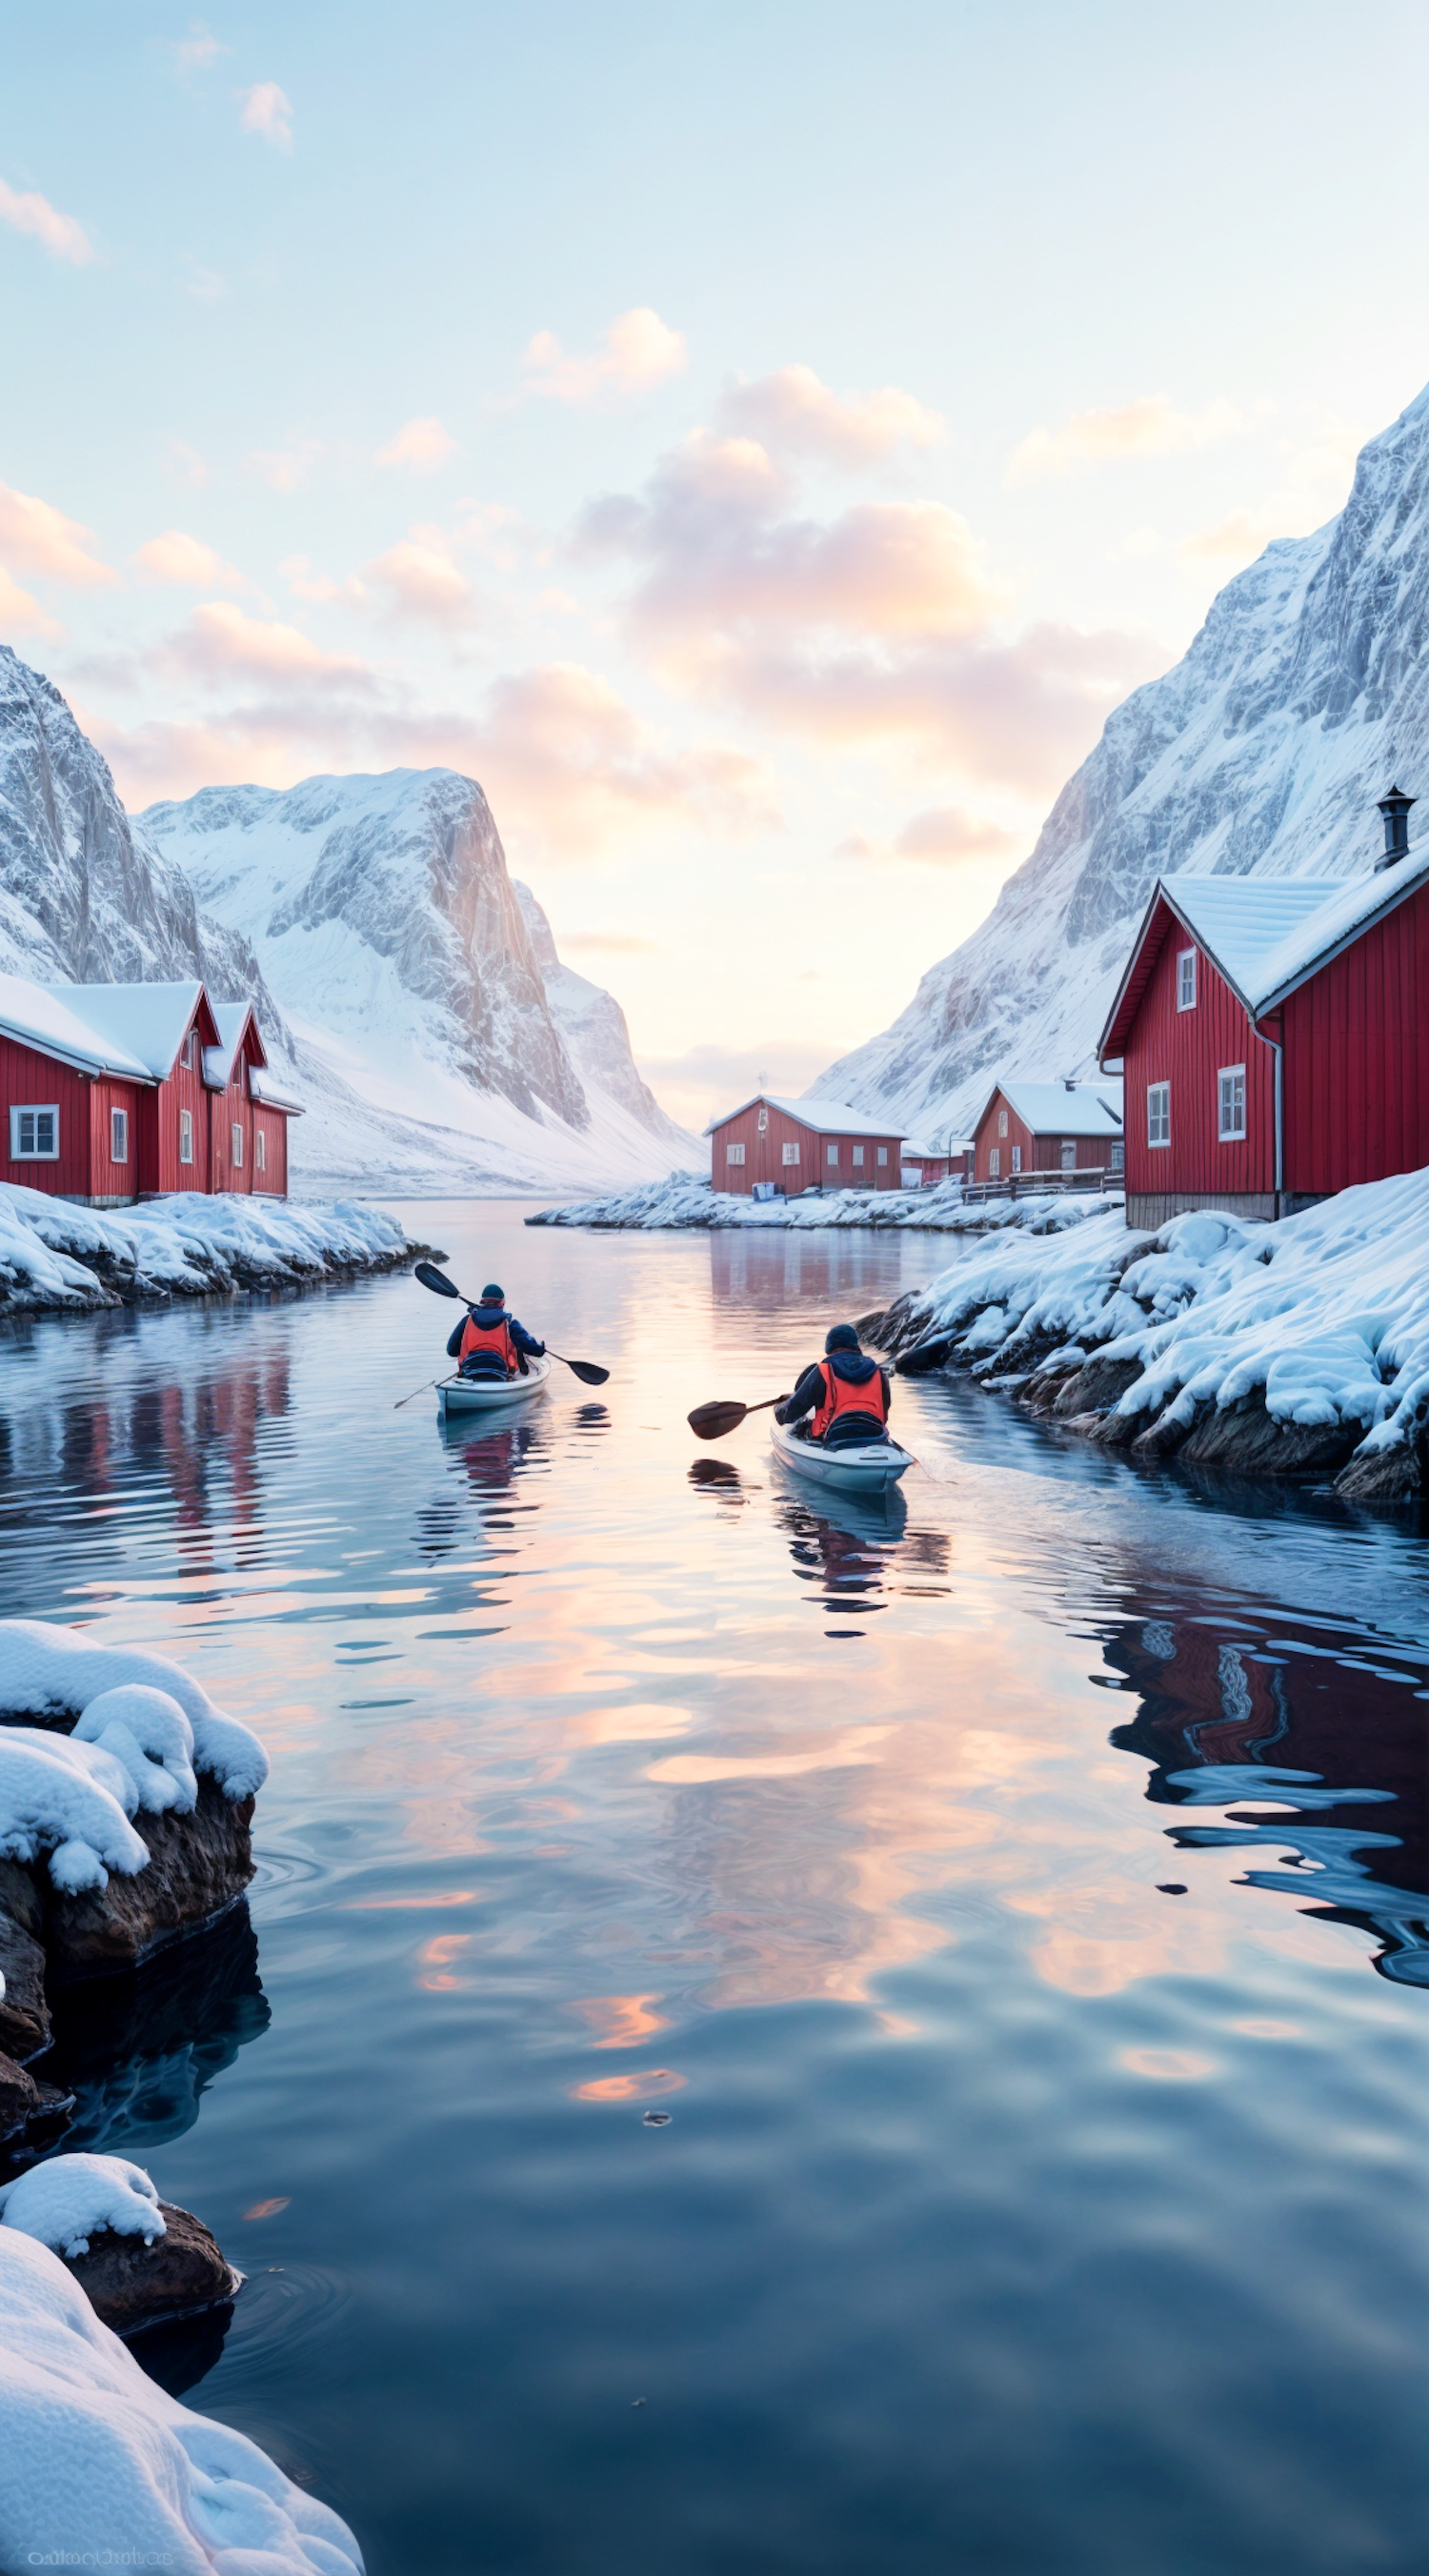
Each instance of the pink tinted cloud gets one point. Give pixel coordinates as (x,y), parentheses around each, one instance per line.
(61,235)
(795,414)
(219,644)
(419,579)
(1150,426)
(286,469)
(267,110)
(37,538)
(22,615)
(186,563)
(948,836)
(638,351)
(418,447)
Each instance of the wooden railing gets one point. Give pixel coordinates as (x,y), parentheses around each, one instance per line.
(1026,1185)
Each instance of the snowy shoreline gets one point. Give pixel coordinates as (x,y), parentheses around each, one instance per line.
(1294,1349)
(684,1203)
(57,1258)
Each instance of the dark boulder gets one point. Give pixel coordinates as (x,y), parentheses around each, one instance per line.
(30,2110)
(198,1865)
(1244,1437)
(24,2014)
(130,2284)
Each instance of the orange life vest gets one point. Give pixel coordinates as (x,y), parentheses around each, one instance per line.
(839,1398)
(489,1337)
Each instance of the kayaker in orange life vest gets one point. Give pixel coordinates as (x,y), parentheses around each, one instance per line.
(845,1391)
(489,1342)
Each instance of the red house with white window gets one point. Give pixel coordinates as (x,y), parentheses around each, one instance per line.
(1274,1036)
(1051,1129)
(781,1147)
(115,1092)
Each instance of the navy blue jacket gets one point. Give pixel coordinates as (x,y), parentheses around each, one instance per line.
(486,1363)
(856,1369)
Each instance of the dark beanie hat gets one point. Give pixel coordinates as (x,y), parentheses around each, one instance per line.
(840,1337)
(491,1295)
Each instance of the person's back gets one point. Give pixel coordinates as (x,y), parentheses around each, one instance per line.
(489,1343)
(844,1395)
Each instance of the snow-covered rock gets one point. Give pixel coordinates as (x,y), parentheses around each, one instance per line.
(99,2467)
(683,1203)
(55,1255)
(51,1672)
(70,2199)
(1302,699)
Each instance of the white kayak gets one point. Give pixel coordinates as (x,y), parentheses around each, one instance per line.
(867,1467)
(490,1394)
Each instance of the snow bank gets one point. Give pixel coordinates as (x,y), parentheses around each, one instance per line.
(145,1729)
(64,2203)
(685,1203)
(1323,1316)
(54,1254)
(99,2467)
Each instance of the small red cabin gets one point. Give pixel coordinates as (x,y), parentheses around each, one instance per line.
(924,1166)
(1274,1036)
(1050,1129)
(785,1146)
(115,1092)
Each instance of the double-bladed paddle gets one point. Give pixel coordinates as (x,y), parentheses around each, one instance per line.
(712,1421)
(437,1280)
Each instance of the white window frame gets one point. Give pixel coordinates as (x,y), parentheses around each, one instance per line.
(118,1135)
(1002,1122)
(883,1154)
(1017,1158)
(1118,1154)
(791,1156)
(186,1135)
(831,1157)
(763,1122)
(1185,979)
(237,1154)
(994,1163)
(34,1153)
(1069,1153)
(260,1150)
(1230,1094)
(1158,1115)
(734,1154)
(858,1158)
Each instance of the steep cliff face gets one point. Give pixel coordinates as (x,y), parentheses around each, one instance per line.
(1263,752)
(84,897)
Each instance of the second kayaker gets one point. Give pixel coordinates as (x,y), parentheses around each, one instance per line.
(489,1343)
(846,1392)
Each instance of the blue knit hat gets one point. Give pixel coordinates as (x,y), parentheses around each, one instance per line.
(840,1337)
(491,1295)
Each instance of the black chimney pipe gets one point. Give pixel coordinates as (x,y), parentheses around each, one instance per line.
(1395,809)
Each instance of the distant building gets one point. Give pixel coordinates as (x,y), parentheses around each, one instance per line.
(1049,1128)
(781,1147)
(1274,1036)
(924,1166)
(115,1092)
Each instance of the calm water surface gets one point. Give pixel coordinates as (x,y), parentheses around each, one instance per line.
(778,2038)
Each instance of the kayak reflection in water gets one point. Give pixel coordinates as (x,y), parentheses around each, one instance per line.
(489,1343)
(846,1393)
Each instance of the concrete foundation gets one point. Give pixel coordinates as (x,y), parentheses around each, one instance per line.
(1154,1208)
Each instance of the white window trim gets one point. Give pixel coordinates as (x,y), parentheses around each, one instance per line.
(237,1141)
(1017,1158)
(34,1109)
(883,1153)
(1186,984)
(186,1135)
(858,1158)
(994,1163)
(1158,1144)
(791,1156)
(1002,1122)
(831,1157)
(260,1150)
(734,1154)
(763,1122)
(1230,1135)
(118,1135)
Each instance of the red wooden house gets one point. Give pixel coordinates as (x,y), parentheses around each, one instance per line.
(1274,1036)
(791,1145)
(1051,1128)
(115,1092)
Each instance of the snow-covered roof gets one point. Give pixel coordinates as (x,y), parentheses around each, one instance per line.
(823,1117)
(230,1019)
(147,1023)
(915,1153)
(266,1092)
(49,1020)
(1349,910)
(1240,921)
(1060,1108)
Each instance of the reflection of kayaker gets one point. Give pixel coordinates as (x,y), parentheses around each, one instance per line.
(845,1392)
(489,1343)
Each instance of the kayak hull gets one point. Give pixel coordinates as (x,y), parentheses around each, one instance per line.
(459,1397)
(873,1467)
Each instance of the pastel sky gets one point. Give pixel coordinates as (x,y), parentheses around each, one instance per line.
(760,443)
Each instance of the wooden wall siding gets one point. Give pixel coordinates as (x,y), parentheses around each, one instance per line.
(108,1179)
(764,1158)
(1188,1049)
(232,1108)
(1039,1153)
(1357,1059)
(183,1090)
(273,1127)
(28,1080)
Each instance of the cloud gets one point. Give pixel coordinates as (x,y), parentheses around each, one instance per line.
(638,350)
(186,462)
(219,643)
(61,235)
(196,52)
(421,580)
(22,615)
(1314,480)
(186,563)
(204,284)
(40,539)
(1151,426)
(418,446)
(618,943)
(568,757)
(949,836)
(286,469)
(267,110)
(794,414)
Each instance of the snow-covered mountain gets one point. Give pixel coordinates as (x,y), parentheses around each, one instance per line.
(1303,698)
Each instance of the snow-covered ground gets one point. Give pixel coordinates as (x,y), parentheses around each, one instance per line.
(55,1255)
(100,2468)
(686,1202)
(1323,1317)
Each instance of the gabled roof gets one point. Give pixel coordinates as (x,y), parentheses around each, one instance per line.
(231,1019)
(822,1117)
(935,1153)
(1266,937)
(51,1020)
(147,1023)
(267,1094)
(1059,1108)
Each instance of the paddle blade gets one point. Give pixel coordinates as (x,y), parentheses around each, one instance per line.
(587,1372)
(925,1357)
(437,1279)
(712,1421)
